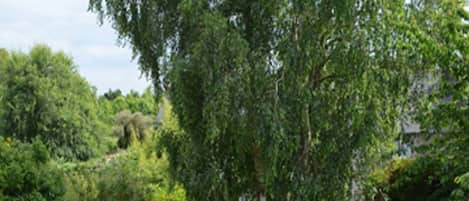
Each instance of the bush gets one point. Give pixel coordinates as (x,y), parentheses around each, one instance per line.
(424,178)
(134,174)
(43,96)
(26,174)
(131,126)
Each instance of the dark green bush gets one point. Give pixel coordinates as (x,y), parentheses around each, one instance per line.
(424,178)
(26,173)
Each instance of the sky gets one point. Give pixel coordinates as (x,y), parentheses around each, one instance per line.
(66,25)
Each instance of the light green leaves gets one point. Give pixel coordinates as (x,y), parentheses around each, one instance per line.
(280,99)
(44,97)
(26,174)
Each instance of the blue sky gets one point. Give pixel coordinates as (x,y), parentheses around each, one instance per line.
(66,25)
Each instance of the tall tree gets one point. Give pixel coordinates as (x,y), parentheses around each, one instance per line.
(277,100)
(44,97)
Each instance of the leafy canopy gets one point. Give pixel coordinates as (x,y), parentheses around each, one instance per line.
(43,96)
(279,100)
(113,102)
(439,170)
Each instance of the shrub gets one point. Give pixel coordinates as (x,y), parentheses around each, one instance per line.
(424,178)
(134,174)
(26,173)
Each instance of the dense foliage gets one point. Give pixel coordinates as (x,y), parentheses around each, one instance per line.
(121,114)
(44,97)
(136,174)
(130,127)
(439,168)
(448,107)
(113,102)
(46,101)
(282,100)
(424,178)
(26,173)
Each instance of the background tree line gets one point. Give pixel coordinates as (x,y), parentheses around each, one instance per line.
(61,141)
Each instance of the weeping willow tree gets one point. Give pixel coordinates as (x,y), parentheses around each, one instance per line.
(277,99)
(131,126)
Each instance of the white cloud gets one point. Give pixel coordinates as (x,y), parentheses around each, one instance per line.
(66,25)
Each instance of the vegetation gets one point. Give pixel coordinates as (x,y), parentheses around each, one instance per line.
(425,178)
(439,171)
(130,127)
(48,105)
(133,175)
(111,114)
(113,102)
(26,174)
(44,97)
(283,100)
(251,100)
(139,173)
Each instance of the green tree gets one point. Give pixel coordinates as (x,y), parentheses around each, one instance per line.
(277,100)
(26,173)
(448,106)
(44,97)
(445,118)
(445,115)
(113,102)
(144,103)
(439,169)
(112,94)
(131,126)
